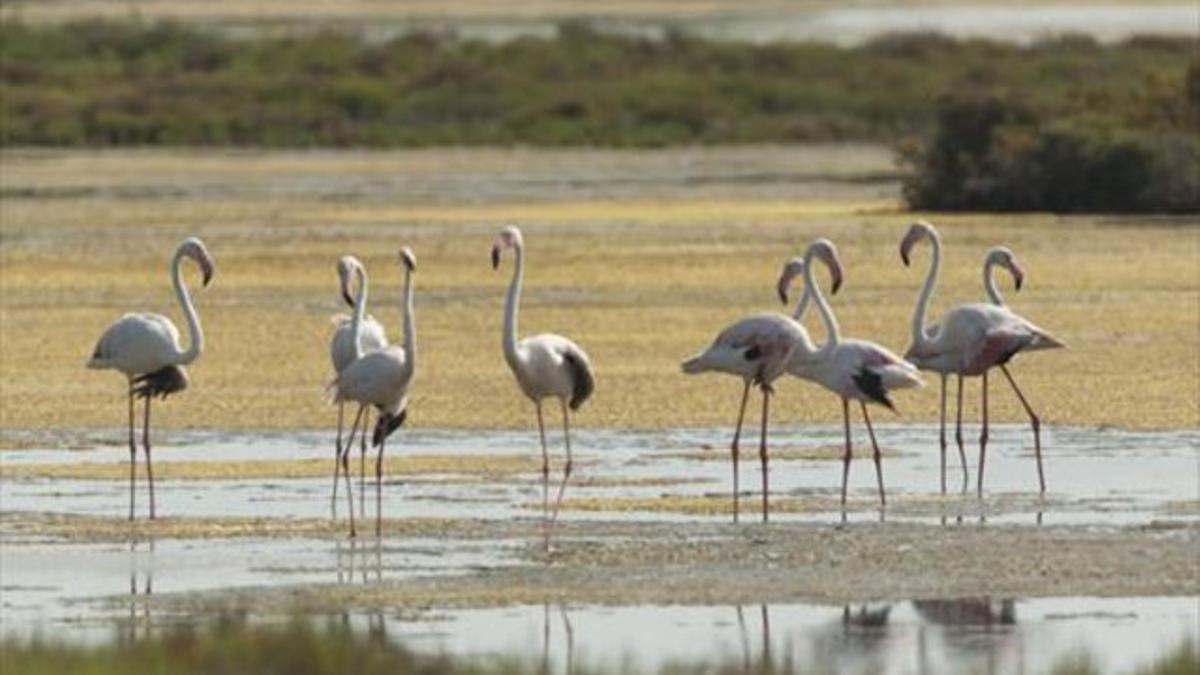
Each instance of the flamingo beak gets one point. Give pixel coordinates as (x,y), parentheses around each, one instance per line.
(346,296)
(782,289)
(1018,276)
(206,267)
(837,279)
(495,257)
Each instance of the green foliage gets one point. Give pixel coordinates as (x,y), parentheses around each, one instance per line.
(989,154)
(103,83)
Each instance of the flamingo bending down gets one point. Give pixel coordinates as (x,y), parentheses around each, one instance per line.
(381,379)
(756,348)
(853,369)
(544,365)
(341,353)
(968,341)
(145,348)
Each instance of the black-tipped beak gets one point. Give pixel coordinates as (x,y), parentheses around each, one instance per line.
(782,295)
(837,283)
(207,269)
(1018,279)
(346,296)
(904,255)
(495,257)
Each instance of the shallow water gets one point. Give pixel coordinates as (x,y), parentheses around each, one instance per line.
(1094,476)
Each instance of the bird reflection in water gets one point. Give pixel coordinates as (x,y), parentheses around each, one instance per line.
(138,627)
(568,637)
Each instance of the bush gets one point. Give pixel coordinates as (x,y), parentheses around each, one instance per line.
(993,154)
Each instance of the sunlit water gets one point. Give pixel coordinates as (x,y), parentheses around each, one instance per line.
(88,591)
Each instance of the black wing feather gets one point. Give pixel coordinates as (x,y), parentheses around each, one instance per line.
(871,384)
(582,382)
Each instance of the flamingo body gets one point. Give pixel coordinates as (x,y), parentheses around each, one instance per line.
(137,344)
(756,348)
(341,345)
(552,366)
(859,370)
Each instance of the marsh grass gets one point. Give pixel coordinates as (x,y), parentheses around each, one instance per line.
(641,283)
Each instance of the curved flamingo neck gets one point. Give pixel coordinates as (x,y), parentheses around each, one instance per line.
(989,283)
(410,326)
(360,312)
(802,305)
(512,306)
(919,336)
(832,332)
(189,312)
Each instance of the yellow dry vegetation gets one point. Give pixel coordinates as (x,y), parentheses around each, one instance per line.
(641,282)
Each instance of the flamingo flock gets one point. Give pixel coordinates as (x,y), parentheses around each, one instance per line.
(969,340)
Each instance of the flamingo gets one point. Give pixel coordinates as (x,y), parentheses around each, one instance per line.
(145,348)
(341,352)
(853,369)
(545,366)
(381,379)
(968,341)
(756,348)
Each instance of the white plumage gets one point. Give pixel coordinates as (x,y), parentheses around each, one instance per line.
(853,369)
(380,379)
(145,348)
(971,339)
(545,366)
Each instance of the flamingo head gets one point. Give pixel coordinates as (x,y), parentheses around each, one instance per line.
(791,269)
(826,252)
(193,248)
(916,232)
(509,237)
(1003,256)
(408,259)
(346,266)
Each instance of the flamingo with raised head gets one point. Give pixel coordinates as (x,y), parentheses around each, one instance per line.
(341,353)
(757,349)
(145,348)
(853,369)
(545,366)
(968,341)
(380,379)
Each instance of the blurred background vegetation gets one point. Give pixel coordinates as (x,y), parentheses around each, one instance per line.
(1063,124)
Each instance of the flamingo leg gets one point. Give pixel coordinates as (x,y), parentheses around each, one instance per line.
(362,465)
(132,452)
(567,469)
(847,455)
(337,457)
(942,433)
(983,432)
(379,489)
(545,465)
(958,437)
(146,449)
(733,449)
(762,449)
(878,455)
(1034,423)
(345,461)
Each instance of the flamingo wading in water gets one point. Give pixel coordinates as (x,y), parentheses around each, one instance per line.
(756,348)
(853,369)
(145,348)
(968,341)
(380,379)
(341,353)
(545,366)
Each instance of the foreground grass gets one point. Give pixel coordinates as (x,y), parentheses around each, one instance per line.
(642,279)
(232,646)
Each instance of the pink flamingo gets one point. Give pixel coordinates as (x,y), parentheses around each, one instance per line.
(968,341)
(853,369)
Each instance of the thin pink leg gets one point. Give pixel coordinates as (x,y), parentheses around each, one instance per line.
(878,455)
(379,490)
(337,457)
(733,449)
(1035,423)
(132,452)
(562,487)
(762,450)
(146,448)
(849,453)
(345,461)
(983,432)
(942,432)
(958,436)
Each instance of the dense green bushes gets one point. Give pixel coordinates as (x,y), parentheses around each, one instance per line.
(991,155)
(120,83)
